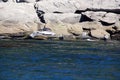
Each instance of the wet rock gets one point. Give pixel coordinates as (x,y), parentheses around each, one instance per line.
(41,37)
(4,36)
(116,36)
(67,37)
(20,35)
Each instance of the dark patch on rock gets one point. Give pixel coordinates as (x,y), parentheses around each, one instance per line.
(79,11)
(67,37)
(84,18)
(4,0)
(117,11)
(106,24)
(58,12)
(116,36)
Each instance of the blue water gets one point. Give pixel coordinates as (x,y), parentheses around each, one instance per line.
(59,60)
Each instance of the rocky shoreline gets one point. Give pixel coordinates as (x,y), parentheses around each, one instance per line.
(68,19)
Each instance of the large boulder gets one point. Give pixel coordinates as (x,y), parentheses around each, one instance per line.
(91,25)
(65,18)
(106,4)
(102,16)
(65,6)
(73,5)
(75,29)
(15,18)
(94,15)
(16,27)
(109,18)
(22,12)
(65,28)
(58,28)
(100,34)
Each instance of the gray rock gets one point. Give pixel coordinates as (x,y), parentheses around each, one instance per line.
(91,25)
(116,36)
(68,37)
(94,15)
(75,29)
(15,18)
(18,12)
(65,18)
(97,10)
(109,18)
(102,16)
(71,6)
(117,25)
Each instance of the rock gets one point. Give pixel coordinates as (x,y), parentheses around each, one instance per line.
(29,1)
(71,6)
(19,1)
(102,16)
(94,15)
(22,12)
(68,37)
(65,28)
(109,18)
(116,36)
(16,18)
(100,34)
(58,28)
(4,36)
(12,27)
(117,25)
(3,0)
(64,17)
(64,6)
(20,35)
(75,29)
(91,25)
(42,37)
(106,4)
(110,29)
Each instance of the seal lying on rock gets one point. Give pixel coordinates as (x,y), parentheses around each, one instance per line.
(38,33)
(42,35)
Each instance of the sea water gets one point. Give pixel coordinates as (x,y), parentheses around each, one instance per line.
(59,60)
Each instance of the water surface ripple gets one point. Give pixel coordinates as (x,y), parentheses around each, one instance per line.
(59,60)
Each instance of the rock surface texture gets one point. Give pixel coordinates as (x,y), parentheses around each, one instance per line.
(97,18)
(16,18)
